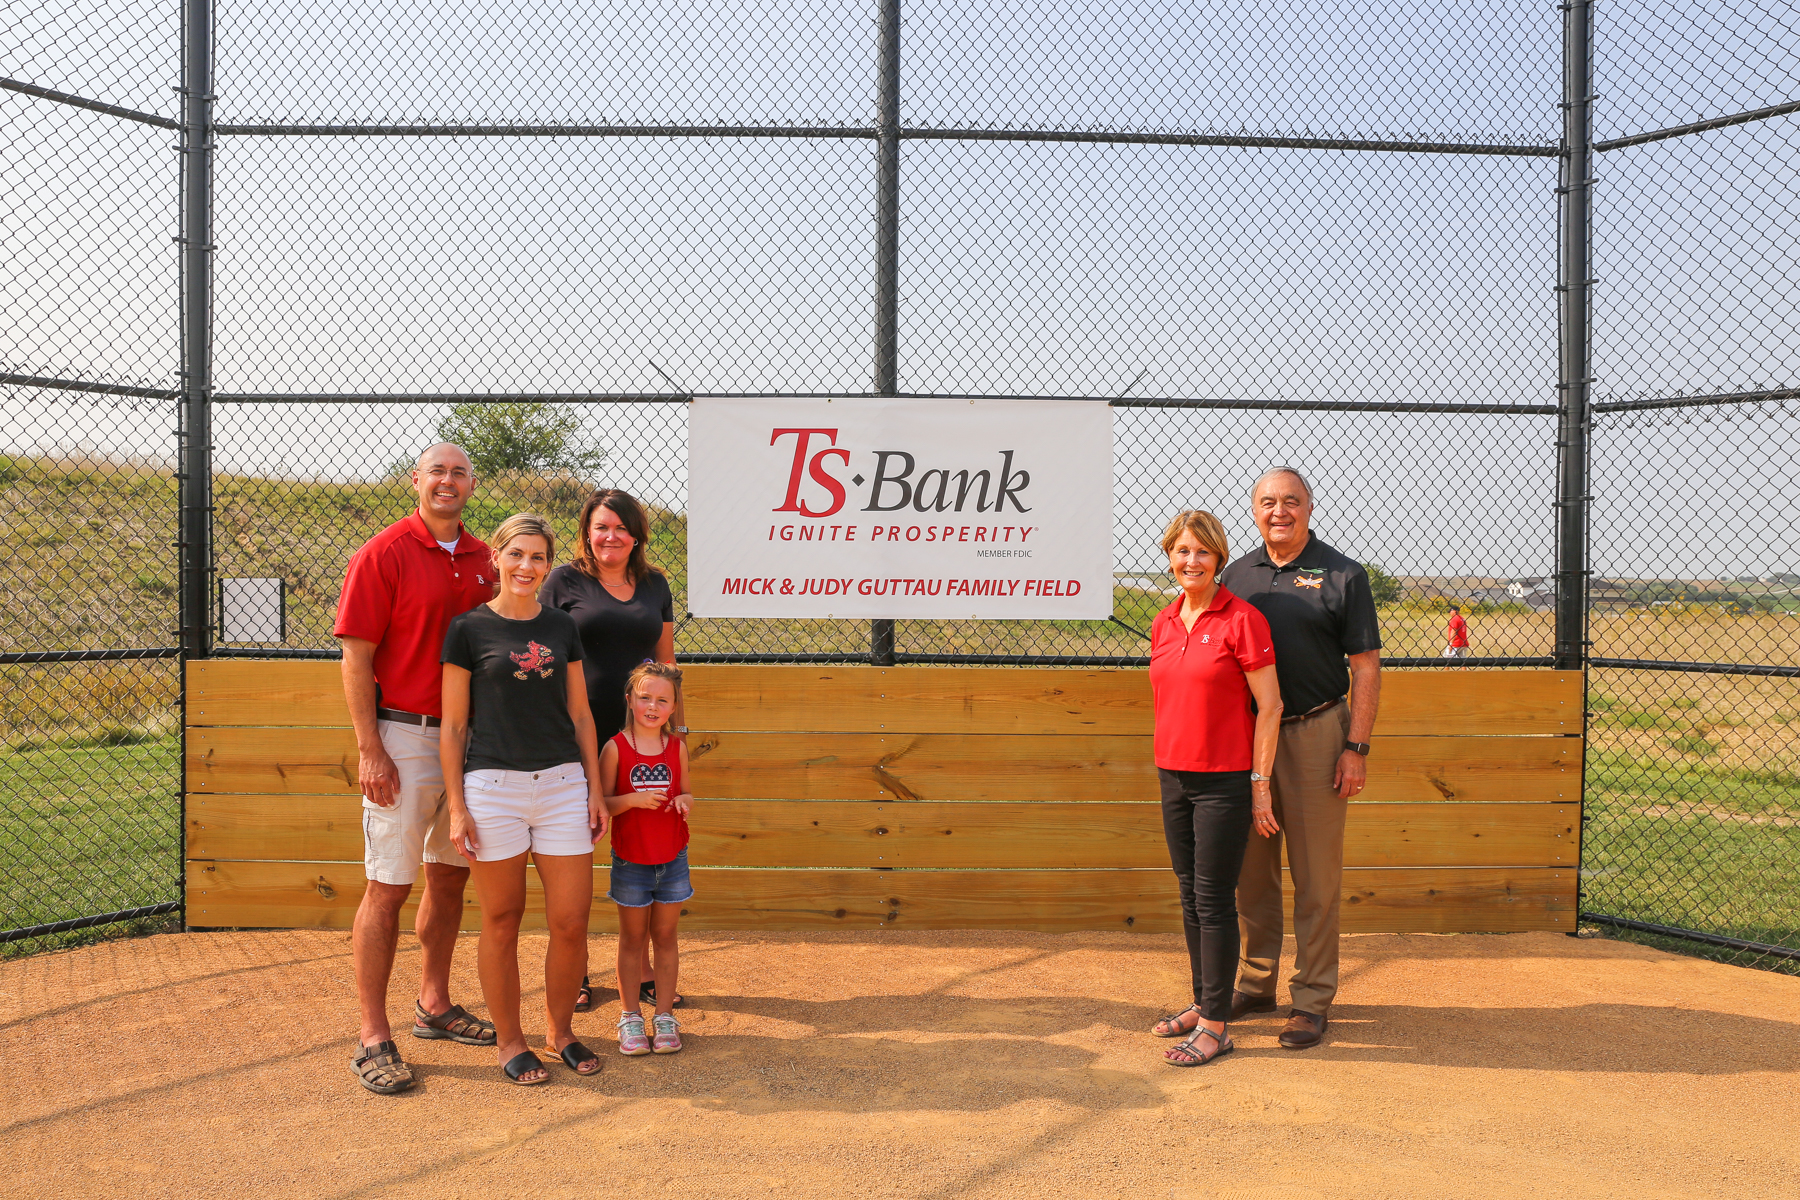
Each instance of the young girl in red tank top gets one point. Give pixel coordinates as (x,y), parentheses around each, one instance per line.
(644,778)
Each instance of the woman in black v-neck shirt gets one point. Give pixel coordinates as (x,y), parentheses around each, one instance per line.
(621,604)
(624,614)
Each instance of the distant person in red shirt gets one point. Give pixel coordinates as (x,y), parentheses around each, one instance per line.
(644,771)
(400,593)
(1210,656)
(1459,634)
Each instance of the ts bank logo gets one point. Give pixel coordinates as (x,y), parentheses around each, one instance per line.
(895,487)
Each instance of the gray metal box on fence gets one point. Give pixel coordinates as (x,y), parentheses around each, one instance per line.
(252,611)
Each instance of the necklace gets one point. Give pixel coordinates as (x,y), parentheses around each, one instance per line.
(638,750)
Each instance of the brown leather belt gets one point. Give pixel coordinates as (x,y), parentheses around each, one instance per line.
(1313,712)
(406,718)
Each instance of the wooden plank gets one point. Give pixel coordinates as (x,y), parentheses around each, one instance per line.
(856,699)
(271,760)
(848,766)
(848,699)
(918,699)
(236,691)
(946,767)
(766,833)
(922,766)
(292,895)
(302,828)
(779,833)
(1463,835)
(1376,900)
(1431,703)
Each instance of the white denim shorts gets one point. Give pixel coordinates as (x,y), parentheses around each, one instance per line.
(545,812)
(417,826)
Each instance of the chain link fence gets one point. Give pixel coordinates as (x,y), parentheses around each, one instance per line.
(90,807)
(1693,780)
(260,252)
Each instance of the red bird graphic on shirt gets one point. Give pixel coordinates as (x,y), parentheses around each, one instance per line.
(536,658)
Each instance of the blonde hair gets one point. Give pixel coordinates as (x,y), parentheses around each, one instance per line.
(521,525)
(669,673)
(1206,530)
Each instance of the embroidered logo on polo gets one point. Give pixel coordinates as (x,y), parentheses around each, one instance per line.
(650,777)
(1310,577)
(536,658)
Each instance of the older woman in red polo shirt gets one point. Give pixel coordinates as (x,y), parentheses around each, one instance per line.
(1210,657)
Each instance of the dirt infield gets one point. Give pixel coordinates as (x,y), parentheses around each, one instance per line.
(917,1065)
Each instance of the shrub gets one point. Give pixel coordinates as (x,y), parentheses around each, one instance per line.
(1385,587)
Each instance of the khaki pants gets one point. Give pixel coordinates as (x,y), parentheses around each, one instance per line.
(1311,816)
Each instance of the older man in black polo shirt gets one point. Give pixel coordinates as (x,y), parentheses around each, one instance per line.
(1322,618)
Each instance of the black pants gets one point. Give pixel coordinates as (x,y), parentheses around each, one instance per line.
(1206,818)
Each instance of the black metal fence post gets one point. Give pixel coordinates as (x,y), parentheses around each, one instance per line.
(887,253)
(195,470)
(1574,306)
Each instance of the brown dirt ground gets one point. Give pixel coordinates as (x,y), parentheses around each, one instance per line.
(916,1065)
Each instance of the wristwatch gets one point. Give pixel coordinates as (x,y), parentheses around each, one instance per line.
(1255,778)
(684,729)
(1361,748)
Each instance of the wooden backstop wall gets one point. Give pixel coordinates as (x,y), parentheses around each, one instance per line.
(931,798)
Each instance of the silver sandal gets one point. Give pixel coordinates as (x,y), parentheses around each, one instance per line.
(1194,1057)
(1173,1029)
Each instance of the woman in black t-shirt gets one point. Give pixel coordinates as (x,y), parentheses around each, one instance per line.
(621,604)
(522,774)
(625,615)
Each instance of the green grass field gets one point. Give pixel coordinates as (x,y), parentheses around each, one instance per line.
(1717,851)
(88,829)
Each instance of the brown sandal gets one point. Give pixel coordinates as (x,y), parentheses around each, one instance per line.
(456,1023)
(381,1069)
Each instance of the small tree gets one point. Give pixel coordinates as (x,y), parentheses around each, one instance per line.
(530,436)
(1385,588)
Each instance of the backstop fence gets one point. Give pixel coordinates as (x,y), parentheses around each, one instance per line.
(1515,285)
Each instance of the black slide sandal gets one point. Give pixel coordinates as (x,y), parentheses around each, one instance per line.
(518,1064)
(574,1054)
(647,994)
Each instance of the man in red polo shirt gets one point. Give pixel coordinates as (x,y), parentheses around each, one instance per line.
(1458,632)
(400,593)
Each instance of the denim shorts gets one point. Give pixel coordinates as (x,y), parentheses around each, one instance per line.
(637,886)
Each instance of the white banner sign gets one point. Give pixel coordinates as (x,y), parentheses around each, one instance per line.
(877,507)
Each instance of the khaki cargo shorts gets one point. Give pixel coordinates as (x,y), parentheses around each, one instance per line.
(417,828)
